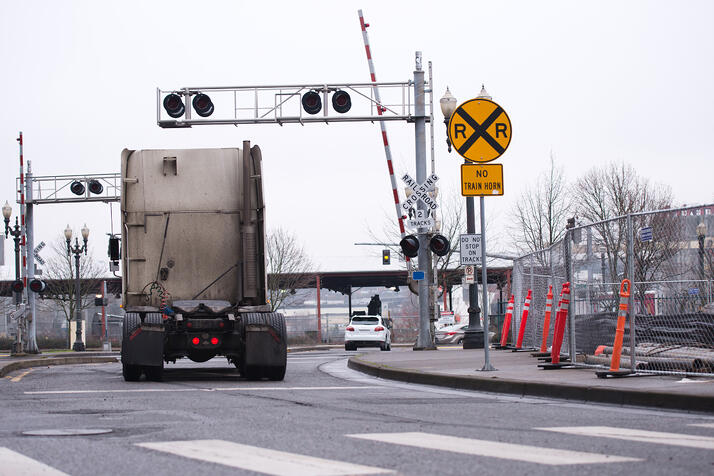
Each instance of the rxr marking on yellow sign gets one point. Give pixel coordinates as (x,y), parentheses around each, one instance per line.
(480,130)
(481,180)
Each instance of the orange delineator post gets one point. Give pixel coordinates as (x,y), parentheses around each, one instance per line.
(560,319)
(546,320)
(524,319)
(507,322)
(620,331)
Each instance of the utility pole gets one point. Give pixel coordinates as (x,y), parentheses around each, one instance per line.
(424,341)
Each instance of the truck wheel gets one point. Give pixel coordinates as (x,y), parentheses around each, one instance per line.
(155,373)
(154,318)
(131,373)
(277,322)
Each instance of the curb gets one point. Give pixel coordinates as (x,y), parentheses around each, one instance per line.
(536,389)
(26,364)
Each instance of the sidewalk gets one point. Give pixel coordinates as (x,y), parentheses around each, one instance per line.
(518,373)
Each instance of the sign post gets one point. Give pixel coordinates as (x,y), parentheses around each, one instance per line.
(480,131)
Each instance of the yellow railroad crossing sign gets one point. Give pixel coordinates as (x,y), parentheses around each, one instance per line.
(479,180)
(480,130)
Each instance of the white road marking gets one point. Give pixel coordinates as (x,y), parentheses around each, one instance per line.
(703,425)
(644,436)
(260,460)
(208,389)
(493,449)
(16,464)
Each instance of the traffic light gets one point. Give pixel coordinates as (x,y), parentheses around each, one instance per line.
(95,187)
(113,251)
(99,300)
(77,187)
(37,286)
(410,246)
(311,102)
(18,286)
(386,257)
(341,102)
(203,105)
(439,245)
(174,105)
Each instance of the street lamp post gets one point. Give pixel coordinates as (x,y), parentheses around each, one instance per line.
(701,234)
(474,334)
(16,232)
(77,251)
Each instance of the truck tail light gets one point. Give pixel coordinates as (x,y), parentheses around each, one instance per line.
(214,340)
(195,341)
(379,328)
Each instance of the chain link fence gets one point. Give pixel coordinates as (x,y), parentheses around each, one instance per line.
(668,255)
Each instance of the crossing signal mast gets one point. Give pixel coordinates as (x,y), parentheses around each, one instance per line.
(308,103)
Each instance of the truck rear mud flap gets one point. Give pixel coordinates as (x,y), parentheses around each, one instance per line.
(265,346)
(143,346)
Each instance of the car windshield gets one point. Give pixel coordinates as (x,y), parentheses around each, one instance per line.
(365,320)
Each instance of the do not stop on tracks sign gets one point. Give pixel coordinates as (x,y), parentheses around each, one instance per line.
(480,130)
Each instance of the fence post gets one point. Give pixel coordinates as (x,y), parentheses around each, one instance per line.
(631,272)
(569,279)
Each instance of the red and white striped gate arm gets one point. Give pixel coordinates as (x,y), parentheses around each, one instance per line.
(382,124)
(23,244)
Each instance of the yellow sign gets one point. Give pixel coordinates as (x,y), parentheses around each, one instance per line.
(480,130)
(481,180)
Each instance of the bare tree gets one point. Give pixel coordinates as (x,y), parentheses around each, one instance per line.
(289,266)
(60,275)
(616,190)
(540,213)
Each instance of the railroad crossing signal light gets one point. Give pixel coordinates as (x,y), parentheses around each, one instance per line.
(386,258)
(37,286)
(410,246)
(174,105)
(77,187)
(439,245)
(203,105)
(18,286)
(95,187)
(99,300)
(311,102)
(341,102)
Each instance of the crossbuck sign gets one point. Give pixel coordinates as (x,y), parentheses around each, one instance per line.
(420,191)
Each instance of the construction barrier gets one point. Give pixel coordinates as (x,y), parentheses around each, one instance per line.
(620,334)
(506,324)
(524,320)
(546,319)
(560,320)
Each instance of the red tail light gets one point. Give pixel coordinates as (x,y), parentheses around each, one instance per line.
(221,324)
(188,324)
(379,328)
(350,328)
(214,340)
(195,341)
(450,333)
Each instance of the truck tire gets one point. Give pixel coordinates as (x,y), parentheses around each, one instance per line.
(277,322)
(131,373)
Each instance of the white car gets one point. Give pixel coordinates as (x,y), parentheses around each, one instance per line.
(368,331)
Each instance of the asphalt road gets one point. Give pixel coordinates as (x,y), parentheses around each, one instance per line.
(324,419)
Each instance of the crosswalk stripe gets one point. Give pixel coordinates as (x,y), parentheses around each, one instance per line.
(16,464)
(261,460)
(494,449)
(703,425)
(674,439)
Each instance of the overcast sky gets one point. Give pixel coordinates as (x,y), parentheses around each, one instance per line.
(593,82)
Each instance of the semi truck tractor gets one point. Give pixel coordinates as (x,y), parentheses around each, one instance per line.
(193,263)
